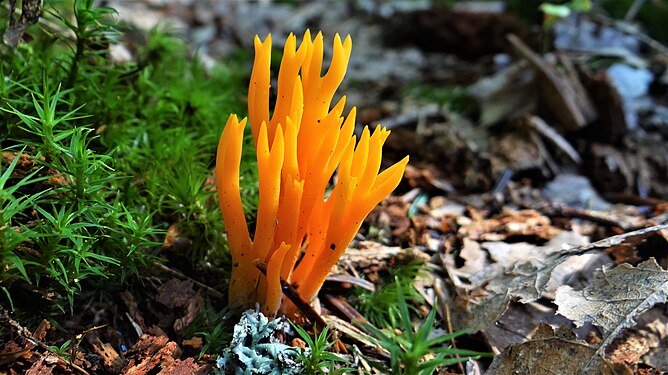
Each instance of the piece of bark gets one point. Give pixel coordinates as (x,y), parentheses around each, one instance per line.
(41,367)
(563,95)
(611,125)
(185,367)
(111,360)
(151,353)
(31,10)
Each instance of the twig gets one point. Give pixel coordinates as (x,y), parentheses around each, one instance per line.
(346,279)
(633,10)
(550,133)
(212,292)
(27,335)
(634,200)
(448,324)
(347,310)
(303,306)
(552,210)
(294,297)
(628,29)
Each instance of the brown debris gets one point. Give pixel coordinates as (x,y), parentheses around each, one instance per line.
(174,243)
(157,353)
(192,309)
(133,310)
(41,367)
(628,351)
(11,351)
(175,293)
(563,94)
(611,126)
(111,360)
(25,162)
(524,223)
(194,343)
(185,367)
(425,179)
(468,34)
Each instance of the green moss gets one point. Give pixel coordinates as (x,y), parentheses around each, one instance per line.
(113,154)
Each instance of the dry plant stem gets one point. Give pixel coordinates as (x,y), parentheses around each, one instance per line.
(210,291)
(304,307)
(27,335)
(451,331)
(347,310)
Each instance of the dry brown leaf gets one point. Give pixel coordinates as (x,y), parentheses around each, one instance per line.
(548,352)
(518,322)
(510,223)
(615,297)
(526,282)
(656,333)
(475,259)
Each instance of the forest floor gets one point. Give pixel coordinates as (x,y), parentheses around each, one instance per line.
(535,203)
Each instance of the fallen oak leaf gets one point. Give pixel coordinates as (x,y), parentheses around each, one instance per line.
(615,297)
(526,282)
(547,352)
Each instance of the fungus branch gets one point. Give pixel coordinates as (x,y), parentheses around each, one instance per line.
(299,148)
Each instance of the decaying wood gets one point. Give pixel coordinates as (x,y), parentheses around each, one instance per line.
(34,341)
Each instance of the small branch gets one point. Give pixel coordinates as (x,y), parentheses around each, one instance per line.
(212,292)
(550,133)
(633,10)
(302,305)
(294,297)
(27,335)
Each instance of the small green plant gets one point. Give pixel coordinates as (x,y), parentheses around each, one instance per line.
(78,230)
(12,207)
(100,157)
(380,306)
(214,340)
(316,359)
(213,327)
(94,28)
(453,98)
(62,351)
(409,346)
(554,12)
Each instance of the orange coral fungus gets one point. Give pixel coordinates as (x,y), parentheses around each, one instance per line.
(299,148)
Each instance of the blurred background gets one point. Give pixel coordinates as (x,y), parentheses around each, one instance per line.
(478,90)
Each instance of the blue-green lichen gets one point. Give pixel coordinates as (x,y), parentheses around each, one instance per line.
(256,348)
